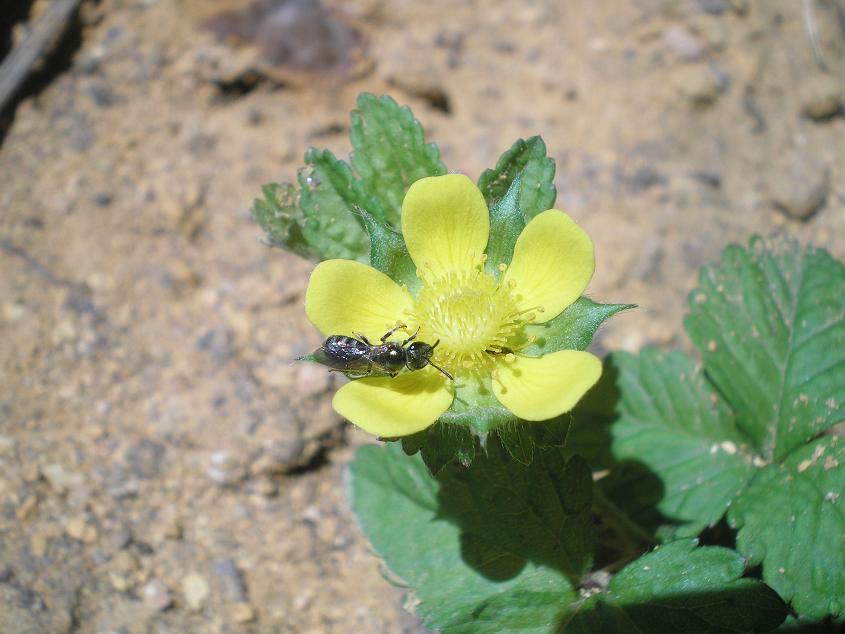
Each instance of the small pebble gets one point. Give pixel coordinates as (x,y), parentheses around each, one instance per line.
(231,579)
(120,581)
(79,528)
(699,83)
(196,591)
(145,458)
(822,97)
(798,185)
(60,479)
(156,596)
(225,468)
(242,613)
(38,544)
(683,43)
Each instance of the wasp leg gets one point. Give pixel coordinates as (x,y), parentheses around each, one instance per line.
(411,338)
(400,325)
(361,337)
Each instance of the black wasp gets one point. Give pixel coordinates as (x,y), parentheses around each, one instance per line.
(356,357)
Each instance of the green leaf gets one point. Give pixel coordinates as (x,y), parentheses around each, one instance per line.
(770,323)
(328,198)
(680,588)
(495,547)
(792,520)
(440,444)
(282,221)
(500,547)
(528,158)
(389,254)
(517,439)
(506,223)
(390,151)
(573,329)
(675,454)
(476,407)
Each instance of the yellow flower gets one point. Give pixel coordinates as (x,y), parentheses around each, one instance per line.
(478,318)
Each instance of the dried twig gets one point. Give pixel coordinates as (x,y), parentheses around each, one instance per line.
(19,63)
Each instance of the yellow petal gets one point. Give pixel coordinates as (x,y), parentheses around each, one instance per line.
(539,388)
(552,264)
(345,297)
(445,223)
(392,407)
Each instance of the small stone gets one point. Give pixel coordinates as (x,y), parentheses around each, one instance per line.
(120,581)
(166,525)
(798,185)
(123,561)
(713,7)
(64,332)
(156,596)
(38,544)
(217,343)
(79,528)
(145,458)
(7,444)
(264,486)
(699,83)
(120,538)
(231,579)
(101,95)
(225,468)
(60,479)
(242,613)
(822,97)
(196,591)
(683,43)
(13,311)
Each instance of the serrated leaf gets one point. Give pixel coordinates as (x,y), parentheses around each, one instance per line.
(389,254)
(675,454)
(770,323)
(282,221)
(572,329)
(792,520)
(489,548)
(328,197)
(681,588)
(506,223)
(440,444)
(528,159)
(476,407)
(518,441)
(390,151)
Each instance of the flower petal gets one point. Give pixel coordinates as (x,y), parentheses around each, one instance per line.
(392,407)
(540,388)
(553,262)
(445,223)
(344,296)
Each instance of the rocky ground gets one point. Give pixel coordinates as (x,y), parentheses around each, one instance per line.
(164,467)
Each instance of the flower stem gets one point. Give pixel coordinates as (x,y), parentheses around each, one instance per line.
(634,534)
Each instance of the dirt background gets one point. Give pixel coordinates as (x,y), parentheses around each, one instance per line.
(164,467)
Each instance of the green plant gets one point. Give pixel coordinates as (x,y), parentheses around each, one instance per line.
(591,520)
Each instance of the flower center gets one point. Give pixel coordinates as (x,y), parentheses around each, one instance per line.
(473,315)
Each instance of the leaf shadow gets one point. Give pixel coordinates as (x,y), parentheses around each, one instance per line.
(718,610)
(510,513)
(629,485)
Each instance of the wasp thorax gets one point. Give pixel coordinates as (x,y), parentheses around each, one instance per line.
(474,316)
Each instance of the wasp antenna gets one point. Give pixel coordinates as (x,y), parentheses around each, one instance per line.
(434,346)
(451,378)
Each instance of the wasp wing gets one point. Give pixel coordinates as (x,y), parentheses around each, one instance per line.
(343,354)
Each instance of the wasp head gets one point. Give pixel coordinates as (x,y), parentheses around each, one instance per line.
(418,355)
